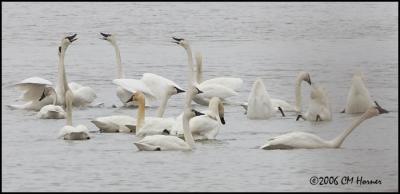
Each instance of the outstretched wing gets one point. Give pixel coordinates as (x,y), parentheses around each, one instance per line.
(32,87)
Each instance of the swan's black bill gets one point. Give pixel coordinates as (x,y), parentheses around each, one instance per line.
(43,95)
(380,109)
(72,38)
(179,90)
(105,36)
(222,120)
(197,113)
(309,80)
(280,109)
(129,100)
(59,50)
(165,132)
(177,40)
(300,116)
(199,91)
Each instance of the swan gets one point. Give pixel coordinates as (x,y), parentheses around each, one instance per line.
(298,140)
(229,82)
(319,108)
(259,102)
(205,126)
(209,90)
(33,86)
(127,124)
(167,142)
(155,83)
(285,106)
(70,132)
(358,98)
(50,111)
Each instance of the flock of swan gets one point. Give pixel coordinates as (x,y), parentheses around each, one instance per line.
(180,132)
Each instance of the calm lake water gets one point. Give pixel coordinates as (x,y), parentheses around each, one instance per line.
(273,41)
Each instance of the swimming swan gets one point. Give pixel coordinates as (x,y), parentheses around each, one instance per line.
(209,90)
(70,132)
(298,140)
(358,98)
(319,108)
(51,111)
(167,142)
(259,102)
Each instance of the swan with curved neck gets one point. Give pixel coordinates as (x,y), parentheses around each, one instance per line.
(358,98)
(209,90)
(69,132)
(298,140)
(51,111)
(166,142)
(319,108)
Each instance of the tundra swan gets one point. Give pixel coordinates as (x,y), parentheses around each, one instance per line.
(319,108)
(167,142)
(70,132)
(209,90)
(205,126)
(298,140)
(259,102)
(358,98)
(155,83)
(50,111)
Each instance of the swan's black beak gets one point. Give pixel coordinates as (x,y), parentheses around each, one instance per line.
(72,38)
(222,120)
(309,80)
(199,91)
(177,40)
(197,113)
(179,90)
(43,95)
(280,109)
(105,36)
(130,99)
(380,109)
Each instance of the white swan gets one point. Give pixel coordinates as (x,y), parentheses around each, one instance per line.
(209,90)
(34,86)
(70,132)
(259,102)
(285,106)
(167,142)
(358,98)
(229,82)
(50,111)
(155,83)
(319,108)
(204,126)
(296,140)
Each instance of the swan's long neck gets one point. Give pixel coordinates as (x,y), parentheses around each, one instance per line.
(118,59)
(161,109)
(213,107)
(199,68)
(68,106)
(54,99)
(140,114)
(191,66)
(298,94)
(185,121)
(337,142)
(62,78)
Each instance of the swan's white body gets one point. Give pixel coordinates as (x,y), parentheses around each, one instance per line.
(70,132)
(51,111)
(296,140)
(358,98)
(205,126)
(259,102)
(319,105)
(114,123)
(132,85)
(156,126)
(83,95)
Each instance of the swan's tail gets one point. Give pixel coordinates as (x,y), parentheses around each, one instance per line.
(146,147)
(106,127)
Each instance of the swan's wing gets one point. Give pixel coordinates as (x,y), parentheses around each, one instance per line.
(215,90)
(155,125)
(294,140)
(134,85)
(230,82)
(33,88)
(161,143)
(157,84)
(74,86)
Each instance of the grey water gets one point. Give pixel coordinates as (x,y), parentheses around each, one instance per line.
(249,40)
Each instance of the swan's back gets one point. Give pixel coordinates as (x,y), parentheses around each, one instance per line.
(79,132)
(229,82)
(157,84)
(215,90)
(295,140)
(358,99)
(133,85)
(51,112)
(161,143)
(155,126)
(259,102)
(115,123)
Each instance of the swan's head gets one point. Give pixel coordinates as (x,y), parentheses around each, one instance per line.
(136,96)
(374,111)
(182,42)
(48,91)
(305,76)
(66,41)
(172,90)
(109,37)
(196,113)
(221,112)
